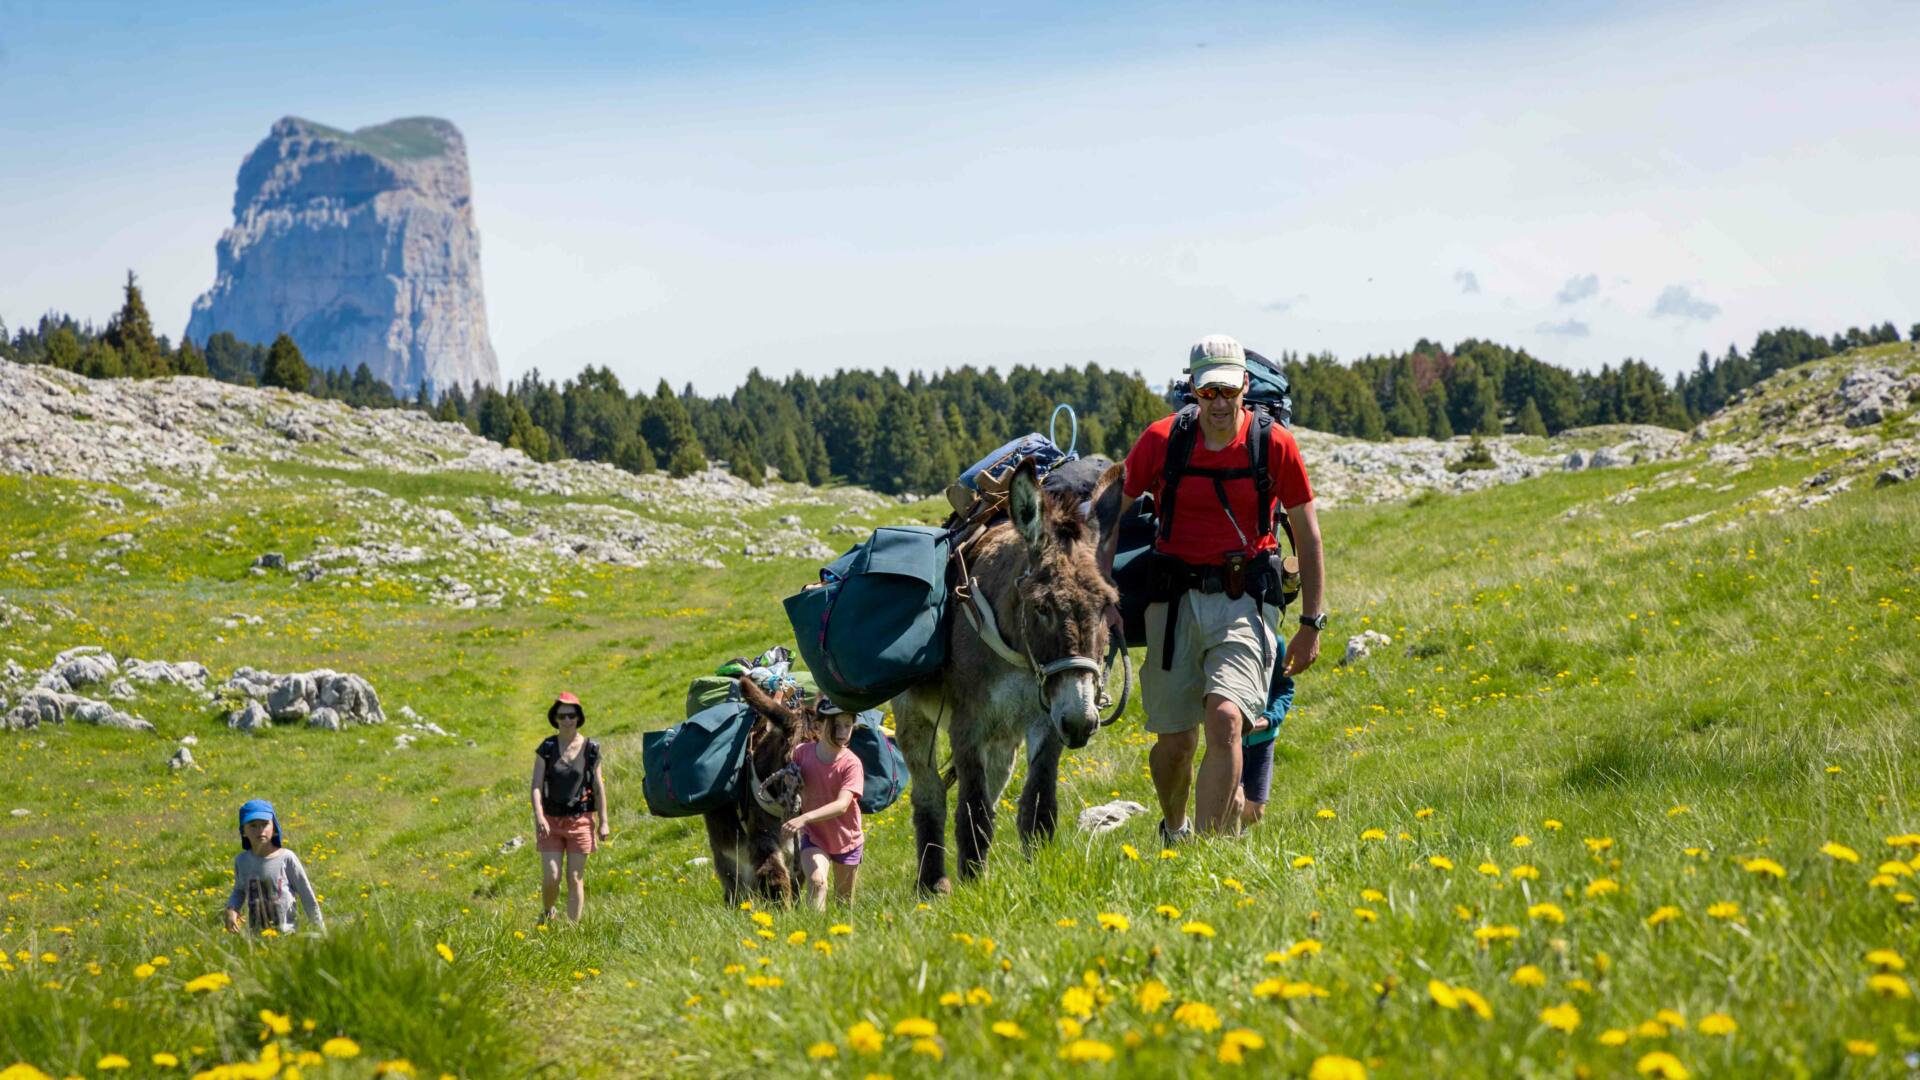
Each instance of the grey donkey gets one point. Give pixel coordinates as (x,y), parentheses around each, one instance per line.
(1045,572)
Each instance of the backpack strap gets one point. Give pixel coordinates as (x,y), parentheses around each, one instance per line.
(1180,442)
(1180,439)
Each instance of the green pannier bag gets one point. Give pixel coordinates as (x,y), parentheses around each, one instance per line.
(877,622)
(699,764)
(885,766)
(709,690)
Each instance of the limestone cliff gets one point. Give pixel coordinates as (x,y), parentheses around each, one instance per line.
(360,245)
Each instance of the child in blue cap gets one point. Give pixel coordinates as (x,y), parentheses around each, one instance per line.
(267,877)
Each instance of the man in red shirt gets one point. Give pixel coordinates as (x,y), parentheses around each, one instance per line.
(1211,649)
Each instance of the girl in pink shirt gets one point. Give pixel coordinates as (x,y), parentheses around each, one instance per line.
(828,824)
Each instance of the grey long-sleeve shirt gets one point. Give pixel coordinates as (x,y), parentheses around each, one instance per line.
(264,889)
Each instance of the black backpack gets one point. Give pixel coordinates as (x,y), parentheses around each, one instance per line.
(1270,397)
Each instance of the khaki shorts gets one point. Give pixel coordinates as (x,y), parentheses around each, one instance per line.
(1221,646)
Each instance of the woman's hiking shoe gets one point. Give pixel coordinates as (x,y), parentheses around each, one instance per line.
(1169,837)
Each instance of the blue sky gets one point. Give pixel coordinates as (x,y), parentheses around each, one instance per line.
(675,192)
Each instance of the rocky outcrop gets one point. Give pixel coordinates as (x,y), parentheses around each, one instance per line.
(361,246)
(321,699)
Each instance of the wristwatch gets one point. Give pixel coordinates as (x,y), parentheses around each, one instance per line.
(1314,622)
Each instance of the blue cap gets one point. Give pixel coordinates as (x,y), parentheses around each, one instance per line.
(260,810)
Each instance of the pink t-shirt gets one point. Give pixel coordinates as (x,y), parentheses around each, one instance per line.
(821,783)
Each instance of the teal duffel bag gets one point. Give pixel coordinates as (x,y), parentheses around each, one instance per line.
(699,764)
(877,622)
(881,760)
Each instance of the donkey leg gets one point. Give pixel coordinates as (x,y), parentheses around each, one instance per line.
(723,841)
(918,744)
(1039,796)
(982,781)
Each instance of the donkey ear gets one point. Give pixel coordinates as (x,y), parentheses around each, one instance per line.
(1024,505)
(763,703)
(1105,507)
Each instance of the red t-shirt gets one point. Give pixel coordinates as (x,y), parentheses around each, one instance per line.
(1201,533)
(821,782)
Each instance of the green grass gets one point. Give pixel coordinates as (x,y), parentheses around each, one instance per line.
(1700,698)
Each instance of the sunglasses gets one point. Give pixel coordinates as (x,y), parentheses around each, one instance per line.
(566,714)
(1208,393)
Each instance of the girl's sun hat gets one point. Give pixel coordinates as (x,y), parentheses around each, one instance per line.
(565,698)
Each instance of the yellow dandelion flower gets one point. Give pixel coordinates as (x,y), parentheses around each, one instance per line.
(1528,975)
(1489,869)
(1487,935)
(112,1061)
(1671,1018)
(1904,840)
(278,1023)
(445,952)
(1169,853)
(1661,1066)
(865,1038)
(1525,872)
(1886,960)
(142,971)
(1862,1048)
(396,1067)
(1724,909)
(1677,809)
(1613,1037)
(1561,1017)
(979,996)
(1549,912)
(1598,844)
(1897,869)
(1302,862)
(823,946)
(1007,1029)
(1599,887)
(1131,852)
(1374,834)
(929,1048)
(1473,1001)
(1551,825)
(765,982)
(1523,840)
(1077,1002)
(1439,862)
(1890,986)
(1366,914)
(798,937)
(1197,929)
(1197,1015)
(916,1027)
(1115,922)
(1151,995)
(763,918)
(1839,851)
(1442,994)
(823,1049)
(952,999)
(1651,1029)
(1764,866)
(1372,896)
(213,980)
(1336,1067)
(1663,913)
(733,969)
(165,1060)
(1069,1027)
(1324,814)
(839,930)
(1235,1044)
(1717,1024)
(1423,813)
(1087,1051)
(340,1047)
(1167,911)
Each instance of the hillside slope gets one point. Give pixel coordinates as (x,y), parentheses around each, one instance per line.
(1633,764)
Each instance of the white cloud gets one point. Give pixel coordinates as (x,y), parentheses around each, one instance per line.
(1469,282)
(1679,302)
(1571,328)
(1578,288)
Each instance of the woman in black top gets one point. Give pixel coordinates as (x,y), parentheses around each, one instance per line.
(569,800)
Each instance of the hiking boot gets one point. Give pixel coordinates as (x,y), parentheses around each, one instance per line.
(1170,837)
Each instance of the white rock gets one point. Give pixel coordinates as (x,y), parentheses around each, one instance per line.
(1361,645)
(182,759)
(1109,816)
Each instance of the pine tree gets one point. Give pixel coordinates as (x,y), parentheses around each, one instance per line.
(1438,426)
(286,368)
(1529,421)
(791,463)
(635,456)
(188,360)
(131,333)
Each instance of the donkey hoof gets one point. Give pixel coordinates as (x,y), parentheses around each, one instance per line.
(940,887)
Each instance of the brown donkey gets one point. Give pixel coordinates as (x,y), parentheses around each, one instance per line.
(1044,576)
(748,855)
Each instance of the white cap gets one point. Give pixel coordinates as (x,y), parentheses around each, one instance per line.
(1217,360)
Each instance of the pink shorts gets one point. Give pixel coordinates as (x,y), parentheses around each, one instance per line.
(574,833)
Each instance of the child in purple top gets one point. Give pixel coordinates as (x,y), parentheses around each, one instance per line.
(267,878)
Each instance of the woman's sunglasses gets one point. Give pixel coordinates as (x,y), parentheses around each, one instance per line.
(1208,393)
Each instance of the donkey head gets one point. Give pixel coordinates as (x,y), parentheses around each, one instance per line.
(780,726)
(1069,607)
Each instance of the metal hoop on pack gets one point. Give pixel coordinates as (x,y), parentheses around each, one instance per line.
(1073,430)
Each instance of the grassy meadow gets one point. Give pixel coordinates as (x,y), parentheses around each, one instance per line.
(1606,806)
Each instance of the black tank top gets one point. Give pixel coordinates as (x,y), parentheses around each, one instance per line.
(567,786)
